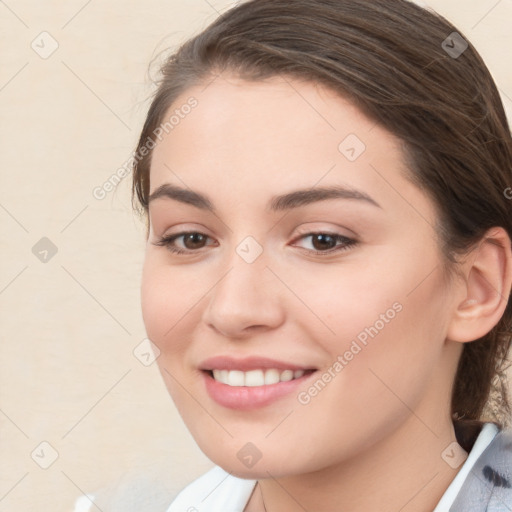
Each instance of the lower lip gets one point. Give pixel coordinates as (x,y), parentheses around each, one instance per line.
(244,398)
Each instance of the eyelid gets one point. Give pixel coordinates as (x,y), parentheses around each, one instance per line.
(319,227)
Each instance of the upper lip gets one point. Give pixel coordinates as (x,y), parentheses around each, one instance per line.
(248,363)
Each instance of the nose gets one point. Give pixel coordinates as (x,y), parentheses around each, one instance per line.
(247,298)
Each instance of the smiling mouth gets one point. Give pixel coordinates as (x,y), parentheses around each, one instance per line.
(253,378)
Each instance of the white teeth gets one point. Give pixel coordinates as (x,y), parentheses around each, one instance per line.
(271,376)
(220,375)
(287,375)
(255,377)
(236,378)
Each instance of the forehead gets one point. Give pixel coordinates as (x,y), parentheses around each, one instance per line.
(246,139)
(279,117)
(279,109)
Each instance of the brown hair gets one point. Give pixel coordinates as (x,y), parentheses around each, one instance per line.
(392,59)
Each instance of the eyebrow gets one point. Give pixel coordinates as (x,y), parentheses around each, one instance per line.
(286,201)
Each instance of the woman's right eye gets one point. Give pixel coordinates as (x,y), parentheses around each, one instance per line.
(192,238)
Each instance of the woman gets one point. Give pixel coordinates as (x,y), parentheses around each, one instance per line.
(328,264)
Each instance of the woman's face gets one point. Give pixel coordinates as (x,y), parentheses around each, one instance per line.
(280,278)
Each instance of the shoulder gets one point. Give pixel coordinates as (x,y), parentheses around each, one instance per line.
(499,454)
(495,470)
(489,484)
(134,490)
(84,503)
(214,491)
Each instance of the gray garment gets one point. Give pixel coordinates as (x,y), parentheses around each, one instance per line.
(488,486)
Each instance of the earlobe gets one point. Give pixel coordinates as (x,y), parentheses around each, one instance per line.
(488,285)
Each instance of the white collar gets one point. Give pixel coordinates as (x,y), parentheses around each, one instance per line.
(487,434)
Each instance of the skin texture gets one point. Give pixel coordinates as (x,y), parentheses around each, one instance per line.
(372,438)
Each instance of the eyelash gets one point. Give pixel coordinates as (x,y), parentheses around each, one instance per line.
(167,241)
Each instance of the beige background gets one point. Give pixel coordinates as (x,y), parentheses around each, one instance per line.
(68,375)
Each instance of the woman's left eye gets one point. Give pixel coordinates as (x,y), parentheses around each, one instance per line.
(323,243)
(321,240)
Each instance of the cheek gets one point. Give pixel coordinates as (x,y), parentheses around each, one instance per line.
(167,303)
(345,302)
(387,320)
(384,355)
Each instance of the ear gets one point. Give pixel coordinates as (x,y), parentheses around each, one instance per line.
(488,272)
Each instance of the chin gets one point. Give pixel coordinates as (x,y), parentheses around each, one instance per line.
(262,468)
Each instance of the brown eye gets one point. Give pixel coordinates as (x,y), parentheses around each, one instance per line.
(323,241)
(192,241)
(328,243)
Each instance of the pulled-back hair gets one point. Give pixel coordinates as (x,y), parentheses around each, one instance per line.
(404,68)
